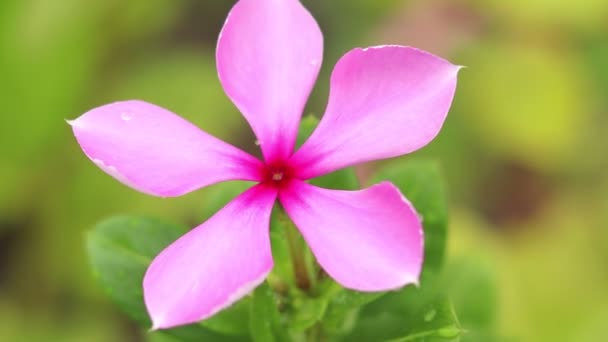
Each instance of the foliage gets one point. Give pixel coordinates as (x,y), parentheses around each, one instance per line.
(532,96)
(120,249)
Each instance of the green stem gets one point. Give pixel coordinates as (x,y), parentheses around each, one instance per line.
(315,334)
(297,257)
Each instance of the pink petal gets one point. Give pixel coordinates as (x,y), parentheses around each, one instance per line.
(384,102)
(213,265)
(268,57)
(156,152)
(367,240)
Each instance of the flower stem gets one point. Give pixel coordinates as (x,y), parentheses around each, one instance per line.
(297,256)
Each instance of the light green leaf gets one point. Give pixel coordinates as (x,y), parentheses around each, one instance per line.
(303,307)
(307,126)
(282,275)
(344,179)
(472,289)
(265,323)
(307,312)
(221,194)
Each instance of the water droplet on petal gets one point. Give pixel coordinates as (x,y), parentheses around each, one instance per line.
(126,116)
(314,62)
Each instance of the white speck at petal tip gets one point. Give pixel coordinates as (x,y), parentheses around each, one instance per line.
(72,123)
(156,325)
(415,282)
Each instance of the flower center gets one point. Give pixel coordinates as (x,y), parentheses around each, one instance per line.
(277,174)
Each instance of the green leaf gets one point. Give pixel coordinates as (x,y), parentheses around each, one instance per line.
(231,321)
(161,338)
(307,311)
(412,314)
(343,309)
(472,288)
(344,179)
(424,313)
(301,308)
(265,323)
(219,195)
(120,250)
(421,183)
(282,275)
(307,126)
(120,254)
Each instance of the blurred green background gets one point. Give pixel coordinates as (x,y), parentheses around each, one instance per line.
(524,149)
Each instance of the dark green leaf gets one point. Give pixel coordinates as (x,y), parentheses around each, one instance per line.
(412,314)
(422,184)
(343,309)
(121,248)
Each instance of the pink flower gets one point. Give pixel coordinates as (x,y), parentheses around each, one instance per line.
(384,102)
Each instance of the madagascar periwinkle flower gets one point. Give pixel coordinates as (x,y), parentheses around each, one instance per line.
(384,101)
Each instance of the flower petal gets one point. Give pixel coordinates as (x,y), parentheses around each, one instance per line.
(268,57)
(367,240)
(213,265)
(384,102)
(156,152)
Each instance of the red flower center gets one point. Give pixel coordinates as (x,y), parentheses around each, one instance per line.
(278,174)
